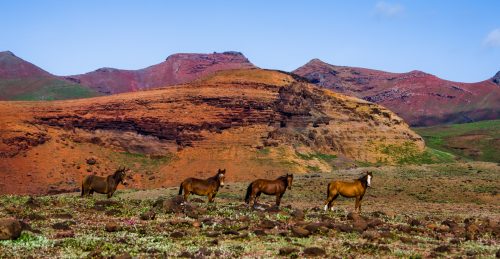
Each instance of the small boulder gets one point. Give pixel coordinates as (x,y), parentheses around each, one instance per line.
(287,250)
(298,214)
(65,234)
(123,256)
(9,229)
(314,251)
(177,234)
(149,215)
(111,227)
(300,231)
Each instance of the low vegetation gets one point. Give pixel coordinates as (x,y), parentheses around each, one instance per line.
(437,210)
(470,141)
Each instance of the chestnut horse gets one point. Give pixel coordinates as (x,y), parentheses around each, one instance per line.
(354,189)
(270,187)
(104,185)
(203,187)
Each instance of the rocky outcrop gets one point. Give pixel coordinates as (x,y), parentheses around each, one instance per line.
(496,78)
(255,123)
(419,98)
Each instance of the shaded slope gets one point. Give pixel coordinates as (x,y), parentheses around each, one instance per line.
(255,123)
(419,98)
(21,80)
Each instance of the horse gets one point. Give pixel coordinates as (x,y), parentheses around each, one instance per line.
(104,185)
(203,187)
(355,189)
(270,187)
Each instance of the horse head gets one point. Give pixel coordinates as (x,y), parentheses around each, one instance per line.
(221,174)
(120,175)
(369,177)
(289,180)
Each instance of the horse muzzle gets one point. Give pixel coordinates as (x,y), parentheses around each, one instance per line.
(125,183)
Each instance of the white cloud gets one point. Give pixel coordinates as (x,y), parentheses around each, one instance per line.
(493,38)
(385,9)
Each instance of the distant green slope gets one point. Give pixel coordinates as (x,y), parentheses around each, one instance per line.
(475,141)
(46,88)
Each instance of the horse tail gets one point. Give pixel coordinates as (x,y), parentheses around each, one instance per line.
(249,191)
(180,189)
(328,189)
(82,190)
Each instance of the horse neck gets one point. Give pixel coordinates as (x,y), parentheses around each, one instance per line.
(116,177)
(216,179)
(364,181)
(284,180)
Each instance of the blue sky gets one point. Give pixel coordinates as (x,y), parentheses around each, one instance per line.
(455,40)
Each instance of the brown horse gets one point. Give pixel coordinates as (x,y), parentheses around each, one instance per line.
(203,187)
(104,185)
(270,187)
(355,189)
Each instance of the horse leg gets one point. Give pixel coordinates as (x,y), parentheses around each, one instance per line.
(257,197)
(357,205)
(186,194)
(211,197)
(278,199)
(329,200)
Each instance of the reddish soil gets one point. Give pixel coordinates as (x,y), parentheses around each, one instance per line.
(419,98)
(254,123)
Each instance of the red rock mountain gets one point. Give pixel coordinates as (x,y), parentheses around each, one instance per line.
(421,99)
(21,80)
(176,69)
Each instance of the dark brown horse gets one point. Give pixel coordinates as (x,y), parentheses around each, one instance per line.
(354,189)
(203,187)
(270,187)
(104,185)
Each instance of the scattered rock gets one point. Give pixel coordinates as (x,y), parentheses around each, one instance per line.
(203,252)
(268,224)
(177,234)
(300,231)
(65,234)
(415,223)
(231,232)
(372,223)
(111,227)
(298,214)
(61,226)
(212,234)
(314,251)
(91,160)
(185,254)
(314,227)
(471,231)
(260,232)
(123,256)
(442,249)
(149,215)
(371,235)
(9,229)
(288,250)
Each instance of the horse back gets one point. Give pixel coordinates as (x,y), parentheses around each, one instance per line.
(199,186)
(268,186)
(347,189)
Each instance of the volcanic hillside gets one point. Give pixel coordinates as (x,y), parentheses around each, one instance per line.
(176,69)
(420,99)
(254,123)
(21,80)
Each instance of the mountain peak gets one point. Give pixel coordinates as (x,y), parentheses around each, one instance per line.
(496,78)
(7,53)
